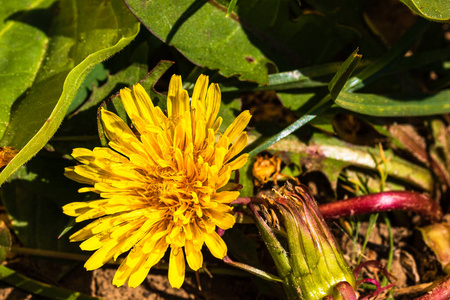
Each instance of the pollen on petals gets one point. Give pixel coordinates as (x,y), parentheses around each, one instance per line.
(158,183)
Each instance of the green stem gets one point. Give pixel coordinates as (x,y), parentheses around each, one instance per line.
(372,222)
(391,253)
(49,253)
(75,138)
(83,258)
(39,288)
(252,270)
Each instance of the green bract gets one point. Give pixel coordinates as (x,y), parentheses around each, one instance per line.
(315,261)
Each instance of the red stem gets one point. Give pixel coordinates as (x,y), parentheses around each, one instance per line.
(386,201)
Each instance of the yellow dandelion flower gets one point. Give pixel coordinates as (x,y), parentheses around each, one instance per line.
(159,188)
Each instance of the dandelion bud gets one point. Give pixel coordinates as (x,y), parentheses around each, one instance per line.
(316,262)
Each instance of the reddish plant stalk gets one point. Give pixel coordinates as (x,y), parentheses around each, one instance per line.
(386,201)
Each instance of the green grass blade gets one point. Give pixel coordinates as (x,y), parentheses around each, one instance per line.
(337,83)
(399,48)
(396,105)
(39,288)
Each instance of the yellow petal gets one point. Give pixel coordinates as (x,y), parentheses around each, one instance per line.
(77,208)
(217,124)
(237,146)
(238,125)
(95,242)
(194,257)
(119,134)
(173,95)
(225,196)
(199,94)
(138,106)
(213,99)
(221,219)
(70,173)
(176,267)
(216,245)
(101,256)
(83,155)
(141,270)
(200,134)
(224,177)
(127,266)
(238,162)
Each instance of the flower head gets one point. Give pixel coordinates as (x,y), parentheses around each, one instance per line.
(159,188)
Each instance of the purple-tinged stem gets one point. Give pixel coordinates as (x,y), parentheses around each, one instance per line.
(439,292)
(386,201)
(346,291)
(242,200)
(378,265)
(373,264)
(343,290)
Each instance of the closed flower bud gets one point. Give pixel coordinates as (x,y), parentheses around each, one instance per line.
(316,262)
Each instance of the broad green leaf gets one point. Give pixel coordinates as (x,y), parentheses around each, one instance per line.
(396,106)
(348,13)
(290,36)
(331,155)
(298,101)
(201,32)
(22,49)
(83,34)
(245,44)
(98,73)
(134,68)
(434,10)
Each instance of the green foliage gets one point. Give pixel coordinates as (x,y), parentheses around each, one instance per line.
(436,10)
(81,36)
(61,60)
(5,241)
(396,105)
(39,288)
(22,49)
(200,31)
